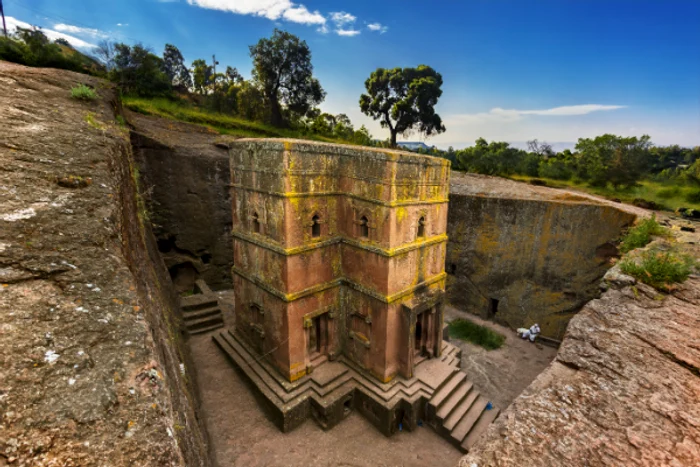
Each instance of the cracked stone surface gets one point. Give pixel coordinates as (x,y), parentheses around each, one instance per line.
(623,390)
(81,379)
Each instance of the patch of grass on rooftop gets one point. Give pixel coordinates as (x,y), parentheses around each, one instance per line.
(660,269)
(640,235)
(221,123)
(476,334)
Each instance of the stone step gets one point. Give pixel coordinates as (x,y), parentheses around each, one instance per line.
(198,302)
(207,329)
(485,420)
(453,401)
(460,431)
(284,390)
(251,360)
(459,411)
(207,321)
(202,286)
(443,392)
(189,315)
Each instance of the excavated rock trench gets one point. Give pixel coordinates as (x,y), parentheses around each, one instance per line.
(101,229)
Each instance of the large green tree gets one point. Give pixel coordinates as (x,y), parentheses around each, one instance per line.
(404,99)
(614,159)
(138,71)
(174,67)
(283,71)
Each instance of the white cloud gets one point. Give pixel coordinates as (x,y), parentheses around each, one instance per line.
(341,18)
(67,28)
(270,9)
(506,115)
(122,25)
(377,27)
(559,111)
(14,23)
(347,32)
(301,15)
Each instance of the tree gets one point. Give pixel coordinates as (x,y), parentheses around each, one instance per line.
(203,75)
(174,67)
(105,53)
(404,99)
(282,69)
(541,149)
(138,71)
(614,159)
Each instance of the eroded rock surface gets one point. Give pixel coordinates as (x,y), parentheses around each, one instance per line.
(521,255)
(91,369)
(623,390)
(186,179)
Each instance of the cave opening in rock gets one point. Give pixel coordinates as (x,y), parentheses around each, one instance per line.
(184,275)
(493,307)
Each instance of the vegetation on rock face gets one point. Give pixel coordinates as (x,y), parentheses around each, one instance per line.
(640,235)
(480,335)
(404,99)
(659,269)
(82,92)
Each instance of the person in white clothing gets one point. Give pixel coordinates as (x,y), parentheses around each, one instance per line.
(529,333)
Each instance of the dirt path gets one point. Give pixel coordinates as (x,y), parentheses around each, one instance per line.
(240,435)
(501,374)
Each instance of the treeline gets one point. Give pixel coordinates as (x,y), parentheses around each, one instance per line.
(282,92)
(31,47)
(607,160)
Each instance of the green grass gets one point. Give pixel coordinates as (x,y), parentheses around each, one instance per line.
(83,93)
(640,235)
(220,123)
(476,334)
(669,195)
(659,269)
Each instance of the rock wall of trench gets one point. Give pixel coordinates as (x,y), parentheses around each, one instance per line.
(92,367)
(186,184)
(624,388)
(526,261)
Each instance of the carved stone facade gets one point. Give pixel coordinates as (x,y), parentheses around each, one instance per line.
(338,250)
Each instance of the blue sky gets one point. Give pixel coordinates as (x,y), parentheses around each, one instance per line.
(513,70)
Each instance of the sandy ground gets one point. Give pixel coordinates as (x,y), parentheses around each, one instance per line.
(501,374)
(240,435)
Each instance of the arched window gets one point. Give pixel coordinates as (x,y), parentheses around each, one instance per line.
(256,223)
(364,227)
(421,227)
(316,226)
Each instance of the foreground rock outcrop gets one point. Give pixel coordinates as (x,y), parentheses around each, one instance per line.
(623,390)
(521,255)
(92,368)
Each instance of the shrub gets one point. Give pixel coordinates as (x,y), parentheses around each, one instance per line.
(640,235)
(668,193)
(476,334)
(693,196)
(82,92)
(659,269)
